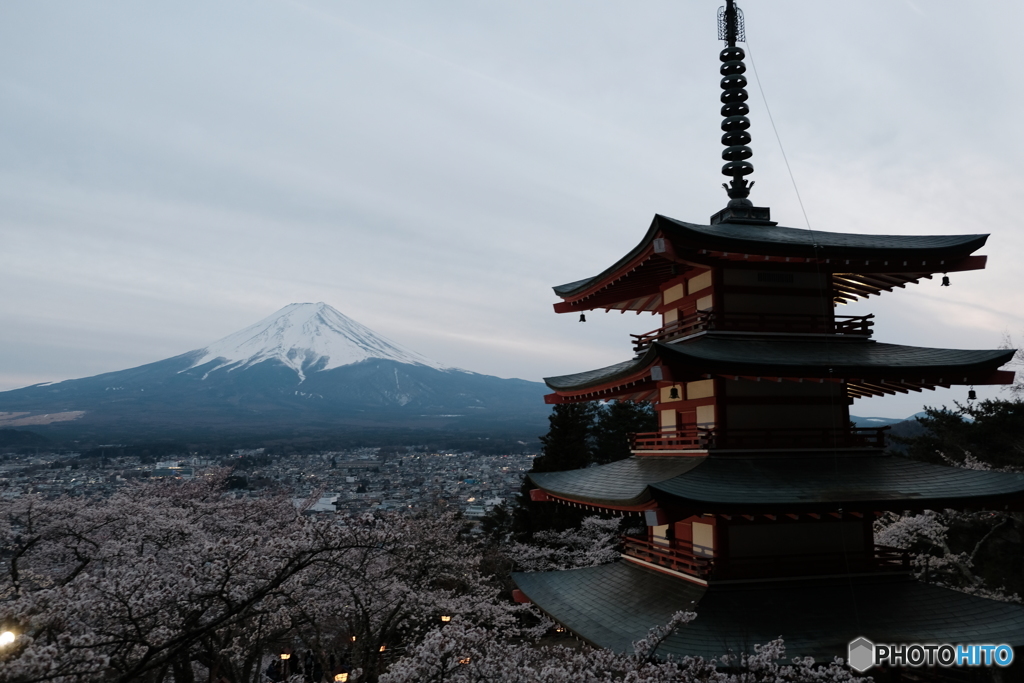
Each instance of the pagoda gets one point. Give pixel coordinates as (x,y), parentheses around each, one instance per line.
(757,494)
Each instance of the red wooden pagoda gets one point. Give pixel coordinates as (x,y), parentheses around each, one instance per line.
(758,495)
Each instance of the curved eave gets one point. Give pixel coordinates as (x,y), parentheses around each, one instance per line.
(620,485)
(631,283)
(730,484)
(777,240)
(868,368)
(580,287)
(613,605)
(629,379)
(832,359)
(862,265)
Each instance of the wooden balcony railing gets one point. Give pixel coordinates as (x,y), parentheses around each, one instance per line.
(700,438)
(756,322)
(683,439)
(679,556)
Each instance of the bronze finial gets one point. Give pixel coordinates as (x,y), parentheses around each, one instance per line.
(734,104)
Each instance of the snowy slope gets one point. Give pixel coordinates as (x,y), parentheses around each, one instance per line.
(306,370)
(305,337)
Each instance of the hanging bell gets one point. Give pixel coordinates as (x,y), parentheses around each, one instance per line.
(674,394)
(972,395)
(583,317)
(945,281)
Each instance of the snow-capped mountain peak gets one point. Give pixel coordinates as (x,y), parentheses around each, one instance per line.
(305,336)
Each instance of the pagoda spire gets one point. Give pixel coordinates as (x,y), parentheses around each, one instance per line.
(734,104)
(735,123)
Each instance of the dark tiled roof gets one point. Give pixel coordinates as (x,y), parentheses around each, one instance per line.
(789,357)
(601,375)
(845,358)
(571,286)
(737,238)
(782,484)
(782,241)
(619,483)
(612,605)
(615,604)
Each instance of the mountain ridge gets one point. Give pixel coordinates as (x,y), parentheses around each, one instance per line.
(306,367)
(277,337)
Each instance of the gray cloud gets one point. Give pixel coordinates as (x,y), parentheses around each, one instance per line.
(170,174)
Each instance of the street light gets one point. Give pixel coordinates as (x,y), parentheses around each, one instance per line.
(445,618)
(6,638)
(286,654)
(342,677)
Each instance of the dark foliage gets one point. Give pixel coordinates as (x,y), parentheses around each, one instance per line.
(146,451)
(568,443)
(17,438)
(993,432)
(996,542)
(581,435)
(990,430)
(615,423)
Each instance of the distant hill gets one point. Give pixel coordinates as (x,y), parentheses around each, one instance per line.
(883,421)
(906,428)
(20,438)
(305,369)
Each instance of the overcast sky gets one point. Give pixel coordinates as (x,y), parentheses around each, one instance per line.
(173,172)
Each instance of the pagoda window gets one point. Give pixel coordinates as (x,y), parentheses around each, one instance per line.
(703,539)
(704,388)
(670,316)
(701,281)
(659,535)
(667,420)
(705,416)
(674,293)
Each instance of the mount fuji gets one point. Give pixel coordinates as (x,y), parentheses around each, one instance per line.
(306,368)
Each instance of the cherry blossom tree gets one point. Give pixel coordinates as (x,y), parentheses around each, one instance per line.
(376,599)
(151,581)
(926,535)
(179,580)
(184,582)
(596,541)
(461,653)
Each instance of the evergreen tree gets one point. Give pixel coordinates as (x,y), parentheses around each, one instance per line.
(566,446)
(991,431)
(615,423)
